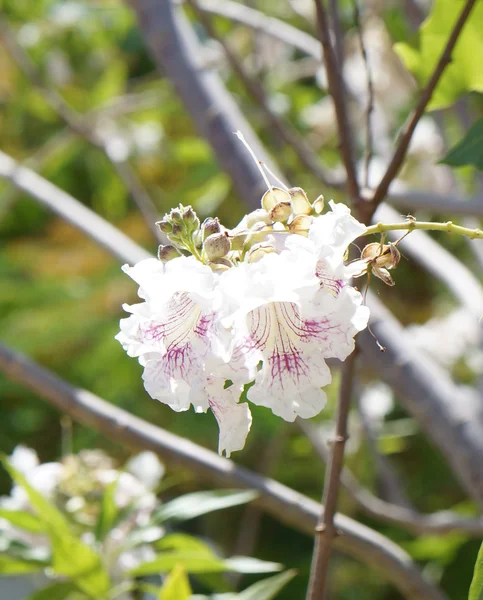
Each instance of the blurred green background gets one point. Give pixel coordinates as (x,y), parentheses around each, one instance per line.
(61,294)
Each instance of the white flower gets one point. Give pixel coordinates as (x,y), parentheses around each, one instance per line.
(269,313)
(147,468)
(181,343)
(291,310)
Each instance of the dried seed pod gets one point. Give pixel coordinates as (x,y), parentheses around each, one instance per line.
(280,212)
(300,202)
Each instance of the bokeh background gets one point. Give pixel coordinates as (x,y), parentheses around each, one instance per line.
(61,294)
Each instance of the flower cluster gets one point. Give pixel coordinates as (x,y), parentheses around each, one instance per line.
(263,304)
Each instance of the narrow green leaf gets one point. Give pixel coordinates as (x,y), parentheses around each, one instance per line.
(476,588)
(183,541)
(247,564)
(468,151)
(56,591)
(193,562)
(109,511)
(10,565)
(177,586)
(23,519)
(193,505)
(267,589)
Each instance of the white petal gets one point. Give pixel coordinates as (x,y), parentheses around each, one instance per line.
(234,420)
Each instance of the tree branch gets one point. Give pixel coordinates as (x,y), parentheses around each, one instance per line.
(326,530)
(286,505)
(438,523)
(62,203)
(289,135)
(337,90)
(176,52)
(425,97)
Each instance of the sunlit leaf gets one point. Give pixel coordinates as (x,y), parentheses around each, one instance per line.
(177,586)
(56,591)
(22,519)
(109,511)
(267,588)
(10,565)
(193,505)
(468,151)
(464,73)
(476,589)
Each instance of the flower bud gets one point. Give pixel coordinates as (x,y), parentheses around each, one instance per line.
(273,196)
(300,202)
(259,251)
(176,229)
(165,226)
(318,204)
(280,212)
(300,224)
(216,246)
(257,216)
(220,264)
(167,253)
(176,217)
(210,226)
(189,214)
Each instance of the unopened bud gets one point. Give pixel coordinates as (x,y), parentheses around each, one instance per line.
(274,196)
(176,230)
(211,226)
(188,214)
(280,212)
(300,202)
(165,226)
(167,253)
(220,264)
(300,224)
(259,251)
(257,216)
(176,216)
(216,246)
(318,205)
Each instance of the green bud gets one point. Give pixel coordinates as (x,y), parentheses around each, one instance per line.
(216,246)
(176,217)
(165,226)
(167,253)
(176,229)
(280,212)
(210,226)
(300,202)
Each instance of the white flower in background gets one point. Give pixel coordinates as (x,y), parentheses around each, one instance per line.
(264,304)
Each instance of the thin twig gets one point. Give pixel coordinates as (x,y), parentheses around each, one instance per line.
(337,90)
(338,34)
(326,530)
(289,135)
(370,95)
(290,507)
(438,523)
(411,123)
(82,127)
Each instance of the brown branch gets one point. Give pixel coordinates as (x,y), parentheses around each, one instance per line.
(286,505)
(326,529)
(289,135)
(337,90)
(413,119)
(438,523)
(370,94)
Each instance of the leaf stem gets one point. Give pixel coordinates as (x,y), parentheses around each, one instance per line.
(448,227)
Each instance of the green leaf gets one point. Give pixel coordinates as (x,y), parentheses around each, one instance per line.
(10,565)
(267,588)
(177,586)
(109,511)
(464,74)
(70,556)
(190,506)
(193,562)
(469,151)
(56,591)
(476,588)
(23,519)
(247,564)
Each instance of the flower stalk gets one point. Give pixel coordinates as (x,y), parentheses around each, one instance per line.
(412,225)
